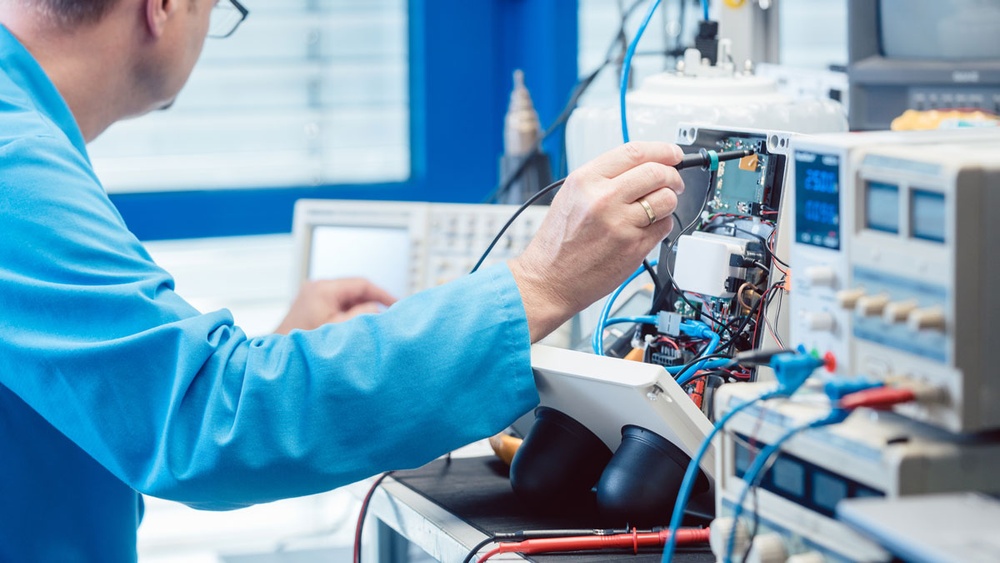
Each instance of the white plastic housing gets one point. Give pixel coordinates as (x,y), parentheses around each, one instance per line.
(702,264)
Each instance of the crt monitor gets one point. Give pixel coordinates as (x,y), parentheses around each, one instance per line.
(378,253)
(922,55)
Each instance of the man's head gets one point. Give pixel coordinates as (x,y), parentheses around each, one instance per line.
(112,59)
(70,13)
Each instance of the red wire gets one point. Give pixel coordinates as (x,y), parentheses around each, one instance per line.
(634,540)
(361,515)
(878,398)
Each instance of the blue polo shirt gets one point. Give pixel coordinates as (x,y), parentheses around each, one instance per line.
(112,385)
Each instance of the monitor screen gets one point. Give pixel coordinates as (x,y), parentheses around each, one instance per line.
(380,254)
(882,207)
(940,30)
(927,215)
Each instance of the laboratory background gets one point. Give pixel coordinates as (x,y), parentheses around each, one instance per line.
(844,161)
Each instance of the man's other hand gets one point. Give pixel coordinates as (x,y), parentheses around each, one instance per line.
(332,301)
(605,220)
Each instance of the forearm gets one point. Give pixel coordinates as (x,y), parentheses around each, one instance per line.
(193,411)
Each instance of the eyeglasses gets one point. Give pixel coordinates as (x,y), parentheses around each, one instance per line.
(226,16)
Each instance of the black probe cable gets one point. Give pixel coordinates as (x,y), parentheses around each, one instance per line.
(706,159)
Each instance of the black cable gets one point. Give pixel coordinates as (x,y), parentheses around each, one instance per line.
(659,296)
(716,356)
(510,221)
(763,242)
(746,321)
(777,313)
(652,274)
(755,487)
(472,553)
(364,511)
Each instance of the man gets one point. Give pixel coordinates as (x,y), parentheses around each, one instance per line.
(112,385)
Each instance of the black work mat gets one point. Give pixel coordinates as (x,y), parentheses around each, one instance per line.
(477,490)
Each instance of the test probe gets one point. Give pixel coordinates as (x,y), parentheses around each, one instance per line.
(706,159)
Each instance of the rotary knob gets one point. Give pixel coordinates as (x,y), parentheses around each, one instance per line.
(819,321)
(820,276)
(871,305)
(931,318)
(898,311)
(848,298)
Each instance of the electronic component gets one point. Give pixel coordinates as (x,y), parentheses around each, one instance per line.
(404,247)
(892,263)
(864,456)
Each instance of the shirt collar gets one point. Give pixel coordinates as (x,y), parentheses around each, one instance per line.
(22,68)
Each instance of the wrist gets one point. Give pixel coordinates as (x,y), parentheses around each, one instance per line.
(545,308)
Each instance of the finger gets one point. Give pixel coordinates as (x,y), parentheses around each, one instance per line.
(662,204)
(362,309)
(644,179)
(352,291)
(661,229)
(628,156)
(365,308)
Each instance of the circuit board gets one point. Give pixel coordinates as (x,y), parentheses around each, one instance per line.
(741,185)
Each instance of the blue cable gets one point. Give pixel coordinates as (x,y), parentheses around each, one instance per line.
(704,9)
(649,320)
(597,342)
(707,364)
(713,342)
(755,469)
(627,63)
(691,475)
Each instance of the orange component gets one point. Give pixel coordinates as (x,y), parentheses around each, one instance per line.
(505,446)
(635,355)
(698,393)
(749,163)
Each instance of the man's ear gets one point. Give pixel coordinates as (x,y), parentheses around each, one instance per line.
(158,12)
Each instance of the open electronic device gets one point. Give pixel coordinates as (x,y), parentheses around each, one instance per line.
(721,267)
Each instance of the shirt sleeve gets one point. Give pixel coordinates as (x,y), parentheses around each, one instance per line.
(182,405)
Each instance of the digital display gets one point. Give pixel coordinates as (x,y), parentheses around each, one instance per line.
(882,207)
(828,490)
(817,199)
(742,460)
(381,255)
(789,477)
(927,215)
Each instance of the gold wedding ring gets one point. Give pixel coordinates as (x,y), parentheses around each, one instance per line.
(650,214)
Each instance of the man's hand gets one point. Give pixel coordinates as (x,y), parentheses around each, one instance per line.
(597,231)
(332,301)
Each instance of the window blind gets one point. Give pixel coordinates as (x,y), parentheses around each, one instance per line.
(307,92)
